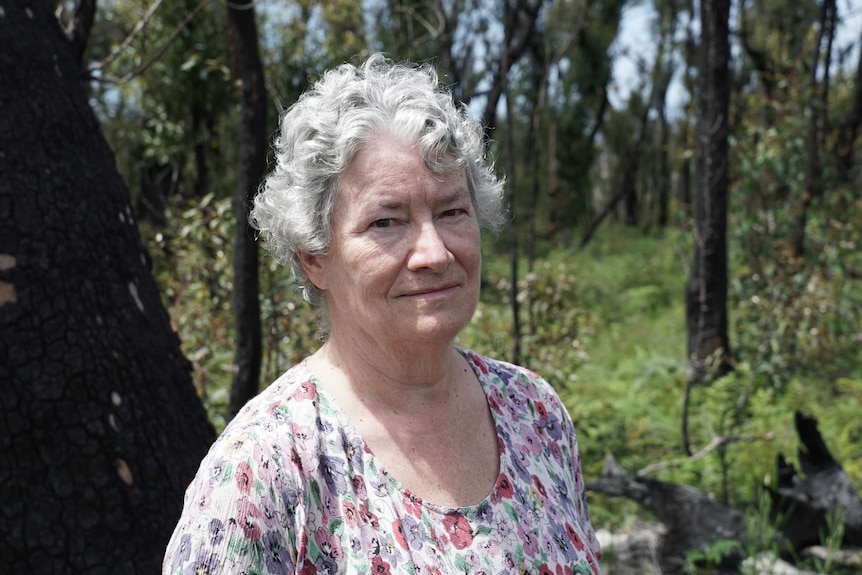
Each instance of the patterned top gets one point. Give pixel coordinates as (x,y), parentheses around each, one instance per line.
(290,487)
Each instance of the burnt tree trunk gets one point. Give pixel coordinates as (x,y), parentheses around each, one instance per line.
(803,503)
(252,158)
(706,292)
(693,519)
(100,426)
(817,113)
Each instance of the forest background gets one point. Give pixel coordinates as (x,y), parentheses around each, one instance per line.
(683,319)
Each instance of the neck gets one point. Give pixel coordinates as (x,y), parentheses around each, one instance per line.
(406,376)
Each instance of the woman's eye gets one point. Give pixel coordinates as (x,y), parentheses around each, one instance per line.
(382,223)
(449,213)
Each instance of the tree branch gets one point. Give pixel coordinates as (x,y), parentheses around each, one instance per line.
(130,38)
(714,444)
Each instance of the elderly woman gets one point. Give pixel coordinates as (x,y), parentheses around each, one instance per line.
(390,450)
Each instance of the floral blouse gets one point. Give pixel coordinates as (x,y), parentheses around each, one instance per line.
(290,487)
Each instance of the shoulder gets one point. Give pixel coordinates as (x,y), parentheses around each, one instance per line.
(288,399)
(514,381)
(271,426)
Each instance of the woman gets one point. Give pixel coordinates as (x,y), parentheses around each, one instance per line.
(389,450)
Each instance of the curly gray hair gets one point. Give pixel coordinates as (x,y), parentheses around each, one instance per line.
(322,132)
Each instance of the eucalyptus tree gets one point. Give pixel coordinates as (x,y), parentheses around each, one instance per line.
(248,337)
(706,290)
(579,101)
(100,425)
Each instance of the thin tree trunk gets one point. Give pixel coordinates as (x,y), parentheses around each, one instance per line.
(706,292)
(817,112)
(100,426)
(513,231)
(517,27)
(252,157)
(850,127)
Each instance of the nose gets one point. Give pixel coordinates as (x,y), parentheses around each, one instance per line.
(429,250)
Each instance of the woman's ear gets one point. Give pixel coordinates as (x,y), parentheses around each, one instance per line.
(314,270)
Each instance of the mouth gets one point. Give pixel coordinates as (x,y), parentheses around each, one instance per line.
(430,291)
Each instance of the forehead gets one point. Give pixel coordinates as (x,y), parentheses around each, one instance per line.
(385,170)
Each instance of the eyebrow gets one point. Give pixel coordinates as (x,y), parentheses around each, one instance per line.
(393,204)
(452,197)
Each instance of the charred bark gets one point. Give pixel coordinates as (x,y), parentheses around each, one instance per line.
(693,520)
(802,504)
(100,426)
(706,292)
(248,338)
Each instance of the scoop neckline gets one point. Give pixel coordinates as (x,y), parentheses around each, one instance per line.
(406,493)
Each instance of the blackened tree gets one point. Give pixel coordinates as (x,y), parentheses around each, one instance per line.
(706,291)
(100,425)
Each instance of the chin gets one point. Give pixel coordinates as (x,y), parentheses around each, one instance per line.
(436,331)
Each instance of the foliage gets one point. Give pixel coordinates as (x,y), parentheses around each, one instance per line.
(193,266)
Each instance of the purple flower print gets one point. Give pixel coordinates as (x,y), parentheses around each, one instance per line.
(414,532)
(216,529)
(275,555)
(353,448)
(183,552)
(332,469)
(206,564)
(325,565)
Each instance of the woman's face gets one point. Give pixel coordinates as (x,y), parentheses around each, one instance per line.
(404,262)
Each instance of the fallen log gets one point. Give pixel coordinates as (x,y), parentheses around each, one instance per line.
(693,520)
(801,505)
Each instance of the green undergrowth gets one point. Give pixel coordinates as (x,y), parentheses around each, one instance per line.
(605,325)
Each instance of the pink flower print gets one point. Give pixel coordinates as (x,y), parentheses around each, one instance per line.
(540,486)
(244,478)
(477,361)
(348,511)
(379,566)
(247,513)
(359,487)
(329,544)
(503,489)
(574,537)
(308,568)
(541,410)
(489,548)
(458,529)
(295,460)
(367,516)
(555,451)
(531,440)
(263,462)
(305,390)
(205,499)
(413,505)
